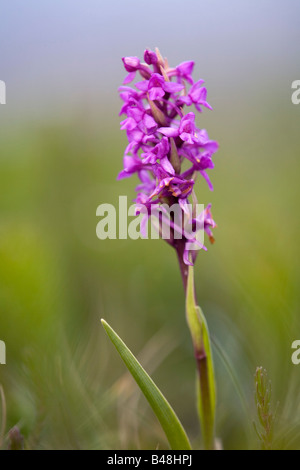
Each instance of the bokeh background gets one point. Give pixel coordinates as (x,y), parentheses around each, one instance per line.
(60,153)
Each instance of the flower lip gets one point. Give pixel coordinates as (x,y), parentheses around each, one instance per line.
(187,124)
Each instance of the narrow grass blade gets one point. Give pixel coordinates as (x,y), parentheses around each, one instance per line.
(3,416)
(227,363)
(168,419)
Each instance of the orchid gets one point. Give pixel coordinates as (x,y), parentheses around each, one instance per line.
(166,150)
(161,137)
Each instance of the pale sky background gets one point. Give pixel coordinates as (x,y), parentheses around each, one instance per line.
(62,55)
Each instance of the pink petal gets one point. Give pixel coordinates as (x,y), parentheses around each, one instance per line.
(173,87)
(143,85)
(156,93)
(129,78)
(169,131)
(186,68)
(165,163)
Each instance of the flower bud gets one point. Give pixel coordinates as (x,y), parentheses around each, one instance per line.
(150,57)
(131,64)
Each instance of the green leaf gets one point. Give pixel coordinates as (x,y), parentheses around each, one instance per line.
(168,419)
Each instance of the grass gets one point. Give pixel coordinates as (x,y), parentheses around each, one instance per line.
(63,386)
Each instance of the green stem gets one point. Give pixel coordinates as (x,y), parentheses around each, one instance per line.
(206,390)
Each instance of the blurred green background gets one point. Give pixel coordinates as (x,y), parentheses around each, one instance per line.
(60,153)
